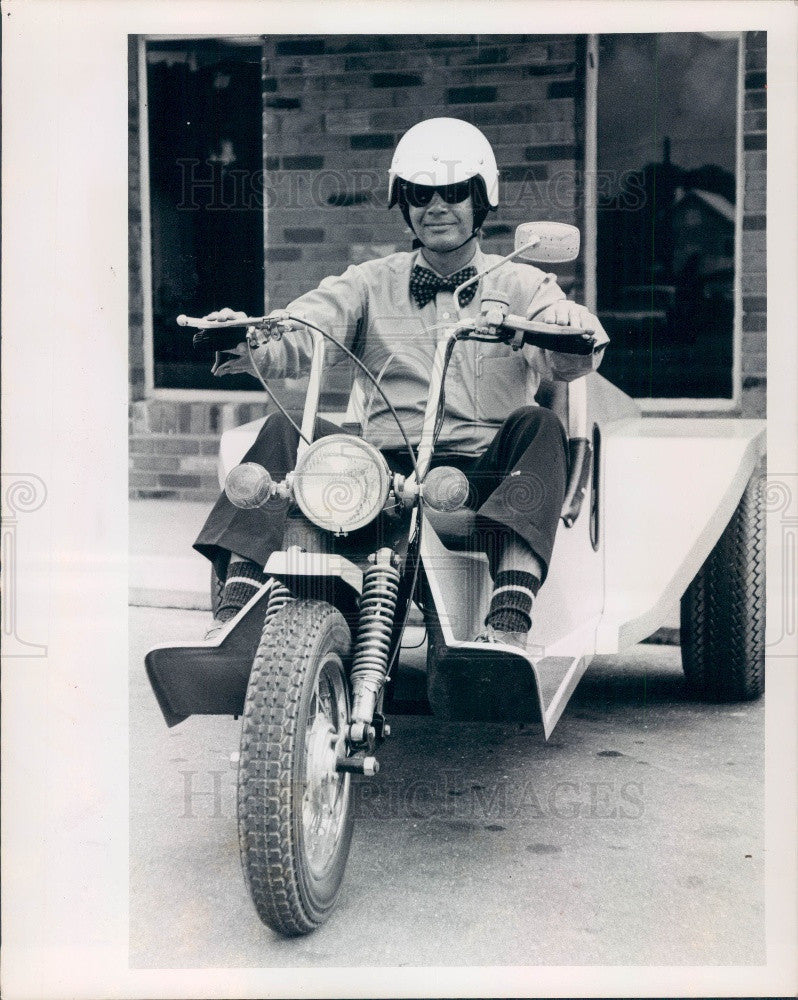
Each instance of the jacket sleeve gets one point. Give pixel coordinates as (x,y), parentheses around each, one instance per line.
(338,306)
(553,364)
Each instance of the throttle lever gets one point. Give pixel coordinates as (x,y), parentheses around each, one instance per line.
(218,340)
(220,335)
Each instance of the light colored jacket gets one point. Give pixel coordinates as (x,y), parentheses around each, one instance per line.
(369,309)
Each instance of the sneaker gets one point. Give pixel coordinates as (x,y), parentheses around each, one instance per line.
(496,636)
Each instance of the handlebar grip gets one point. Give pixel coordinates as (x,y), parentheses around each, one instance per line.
(563,339)
(218,324)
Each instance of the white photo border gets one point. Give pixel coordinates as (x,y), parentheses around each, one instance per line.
(65,391)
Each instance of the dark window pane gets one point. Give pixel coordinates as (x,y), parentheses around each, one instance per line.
(206,158)
(667,111)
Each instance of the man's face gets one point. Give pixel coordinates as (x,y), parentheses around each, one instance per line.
(441,226)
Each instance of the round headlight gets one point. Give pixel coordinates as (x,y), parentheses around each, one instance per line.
(341,483)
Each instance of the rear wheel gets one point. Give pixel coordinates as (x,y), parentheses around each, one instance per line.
(723,609)
(294,809)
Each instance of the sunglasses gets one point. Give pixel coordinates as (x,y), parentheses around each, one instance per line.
(420,195)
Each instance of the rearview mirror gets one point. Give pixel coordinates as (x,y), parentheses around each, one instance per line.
(559,242)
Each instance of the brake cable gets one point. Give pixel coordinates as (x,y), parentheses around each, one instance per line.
(441,412)
(367,411)
(273,398)
(369,376)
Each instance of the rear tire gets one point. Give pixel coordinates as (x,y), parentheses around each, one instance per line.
(723,609)
(295,814)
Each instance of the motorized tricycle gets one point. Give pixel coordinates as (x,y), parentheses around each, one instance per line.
(658,511)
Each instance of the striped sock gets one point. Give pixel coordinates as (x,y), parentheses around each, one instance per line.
(244,579)
(511,604)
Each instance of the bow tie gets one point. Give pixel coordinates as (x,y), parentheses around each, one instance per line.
(425,284)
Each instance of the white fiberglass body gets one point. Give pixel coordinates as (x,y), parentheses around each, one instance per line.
(661,493)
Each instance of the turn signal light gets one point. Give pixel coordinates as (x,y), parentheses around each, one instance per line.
(248,485)
(445,488)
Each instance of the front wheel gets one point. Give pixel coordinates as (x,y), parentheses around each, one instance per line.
(723,610)
(294,808)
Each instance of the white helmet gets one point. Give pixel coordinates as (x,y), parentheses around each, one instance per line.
(444,151)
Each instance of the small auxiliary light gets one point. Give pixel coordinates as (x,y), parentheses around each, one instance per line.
(248,485)
(445,488)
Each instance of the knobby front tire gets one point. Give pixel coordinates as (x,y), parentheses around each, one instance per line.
(295,813)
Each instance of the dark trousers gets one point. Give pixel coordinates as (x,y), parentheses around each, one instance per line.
(517,485)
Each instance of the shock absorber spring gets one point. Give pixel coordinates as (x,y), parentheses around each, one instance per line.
(375,625)
(279,596)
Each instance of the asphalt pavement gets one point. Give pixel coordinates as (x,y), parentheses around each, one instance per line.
(634,836)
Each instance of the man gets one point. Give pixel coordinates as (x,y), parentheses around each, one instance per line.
(445,180)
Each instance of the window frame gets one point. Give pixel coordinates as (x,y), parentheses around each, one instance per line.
(685,404)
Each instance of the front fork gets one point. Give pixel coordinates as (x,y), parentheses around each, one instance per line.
(376,619)
(370,661)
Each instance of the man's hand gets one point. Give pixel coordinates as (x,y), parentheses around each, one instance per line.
(567,313)
(233,362)
(281,324)
(236,360)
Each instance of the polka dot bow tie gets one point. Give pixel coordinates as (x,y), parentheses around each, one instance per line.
(425,284)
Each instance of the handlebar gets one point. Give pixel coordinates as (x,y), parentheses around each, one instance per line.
(224,335)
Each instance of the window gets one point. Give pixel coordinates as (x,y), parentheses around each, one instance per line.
(667,147)
(205,152)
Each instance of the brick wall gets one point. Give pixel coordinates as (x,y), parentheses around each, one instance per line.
(754,268)
(173,446)
(335,107)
